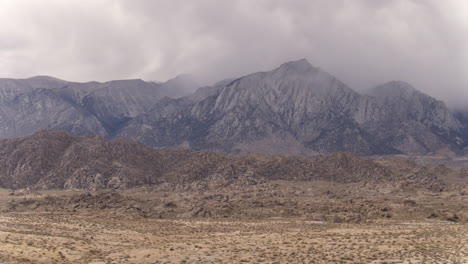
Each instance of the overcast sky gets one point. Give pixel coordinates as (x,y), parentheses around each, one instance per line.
(362,42)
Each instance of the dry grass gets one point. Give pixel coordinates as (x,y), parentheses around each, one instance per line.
(97,238)
(93,235)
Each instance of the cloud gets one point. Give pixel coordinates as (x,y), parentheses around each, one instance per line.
(362,42)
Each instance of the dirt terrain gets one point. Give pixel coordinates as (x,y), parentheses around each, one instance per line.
(270,222)
(95,238)
(89,200)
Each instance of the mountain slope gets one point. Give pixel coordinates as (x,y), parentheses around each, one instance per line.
(462,117)
(413,122)
(114,102)
(39,109)
(300,109)
(42,102)
(286,103)
(295,109)
(56,160)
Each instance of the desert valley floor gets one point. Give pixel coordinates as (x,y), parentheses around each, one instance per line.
(268,131)
(94,239)
(144,226)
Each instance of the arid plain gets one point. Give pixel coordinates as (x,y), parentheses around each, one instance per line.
(270,222)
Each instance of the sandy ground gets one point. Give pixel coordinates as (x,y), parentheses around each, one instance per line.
(98,238)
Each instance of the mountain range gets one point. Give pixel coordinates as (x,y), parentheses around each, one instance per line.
(294,109)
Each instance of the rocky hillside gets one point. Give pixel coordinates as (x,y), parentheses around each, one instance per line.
(30,105)
(42,102)
(56,160)
(462,115)
(300,109)
(413,122)
(295,109)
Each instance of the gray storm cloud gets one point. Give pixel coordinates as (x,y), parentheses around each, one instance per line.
(362,42)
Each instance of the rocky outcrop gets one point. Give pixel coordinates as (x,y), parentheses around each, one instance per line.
(57,160)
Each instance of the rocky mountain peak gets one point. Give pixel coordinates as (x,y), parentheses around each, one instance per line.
(9,88)
(296,78)
(303,79)
(296,109)
(294,89)
(299,65)
(47,82)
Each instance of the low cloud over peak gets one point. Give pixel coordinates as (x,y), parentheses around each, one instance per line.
(362,42)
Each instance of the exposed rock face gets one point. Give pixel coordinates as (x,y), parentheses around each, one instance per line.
(26,108)
(115,102)
(295,109)
(462,116)
(301,106)
(42,102)
(413,122)
(56,160)
(203,92)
